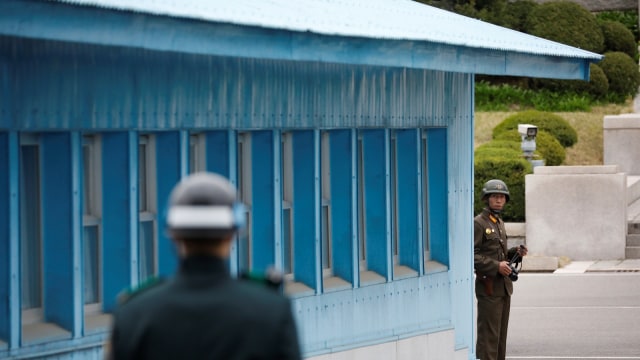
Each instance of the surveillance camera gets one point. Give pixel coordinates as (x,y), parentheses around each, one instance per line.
(528,130)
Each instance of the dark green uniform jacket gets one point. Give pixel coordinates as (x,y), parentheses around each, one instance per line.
(205,314)
(489,248)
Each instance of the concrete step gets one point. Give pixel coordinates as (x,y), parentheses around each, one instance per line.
(538,263)
(633,212)
(633,239)
(632,228)
(632,252)
(633,189)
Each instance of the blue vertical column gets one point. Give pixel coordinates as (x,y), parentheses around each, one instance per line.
(77,164)
(119,214)
(408,198)
(168,174)
(306,209)
(438,190)
(218,152)
(376,192)
(9,240)
(60,204)
(221,158)
(343,206)
(263,189)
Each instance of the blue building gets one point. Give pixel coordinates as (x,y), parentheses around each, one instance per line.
(346,126)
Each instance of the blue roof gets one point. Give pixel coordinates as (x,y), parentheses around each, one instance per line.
(372,19)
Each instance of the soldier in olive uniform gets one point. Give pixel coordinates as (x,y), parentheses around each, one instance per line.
(203,313)
(491,263)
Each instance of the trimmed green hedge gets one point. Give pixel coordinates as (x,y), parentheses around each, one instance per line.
(548,147)
(552,123)
(623,75)
(568,23)
(618,38)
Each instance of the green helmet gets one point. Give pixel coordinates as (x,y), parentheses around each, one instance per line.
(495,186)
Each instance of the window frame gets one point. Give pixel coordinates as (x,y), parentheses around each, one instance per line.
(425,195)
(244,175)
(35,314)
(325,195)
(197,152)
(286,154)
(362,221)
(148,212)
(93,217)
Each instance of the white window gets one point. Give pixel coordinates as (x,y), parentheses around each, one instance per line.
(147,207)
(362,243)
(393,168)
(425,197)
(197,153)
(244,186)
(325,175)
(287,201)
(91,221)
(31,260)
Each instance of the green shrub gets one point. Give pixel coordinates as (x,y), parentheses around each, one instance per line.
(548,147)
(598,82)
(596,87)
(505,164)
(567,23)
(618,38)
(628,18)
(516,13)
(501,144)
(622,72)
(552,123)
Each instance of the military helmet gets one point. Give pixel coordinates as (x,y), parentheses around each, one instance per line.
(495,186)
(203,206)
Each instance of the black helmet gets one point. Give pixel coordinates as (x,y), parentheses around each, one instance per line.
(495,186)
(203,206)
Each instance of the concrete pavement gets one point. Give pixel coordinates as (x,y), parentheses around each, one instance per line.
(578,267)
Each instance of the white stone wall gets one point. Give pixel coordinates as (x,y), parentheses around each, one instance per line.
(576,211)
(621,140)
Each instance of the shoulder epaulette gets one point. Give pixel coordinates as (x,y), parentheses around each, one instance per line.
(150,283)
(271,278)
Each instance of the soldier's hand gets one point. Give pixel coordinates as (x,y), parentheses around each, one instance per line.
(504,268)
(522,250)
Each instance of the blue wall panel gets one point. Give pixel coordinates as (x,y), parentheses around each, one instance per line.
(116,217)
(438,195)
(342,206)
(376,190)
(409,195)
(5,237)
(306,204)
(9,238)
(263,202)
(167,176)
(218,152)
(374,314)
(57,221)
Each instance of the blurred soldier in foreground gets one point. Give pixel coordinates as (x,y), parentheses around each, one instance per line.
(495,267)
(203,313)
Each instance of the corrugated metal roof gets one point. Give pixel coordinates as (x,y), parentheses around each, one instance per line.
(378,19)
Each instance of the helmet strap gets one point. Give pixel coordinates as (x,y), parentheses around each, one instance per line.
(493,211)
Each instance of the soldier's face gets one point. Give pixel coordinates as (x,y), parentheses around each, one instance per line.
(497,201)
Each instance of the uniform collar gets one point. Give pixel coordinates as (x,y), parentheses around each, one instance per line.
(203,264)
(491,216)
